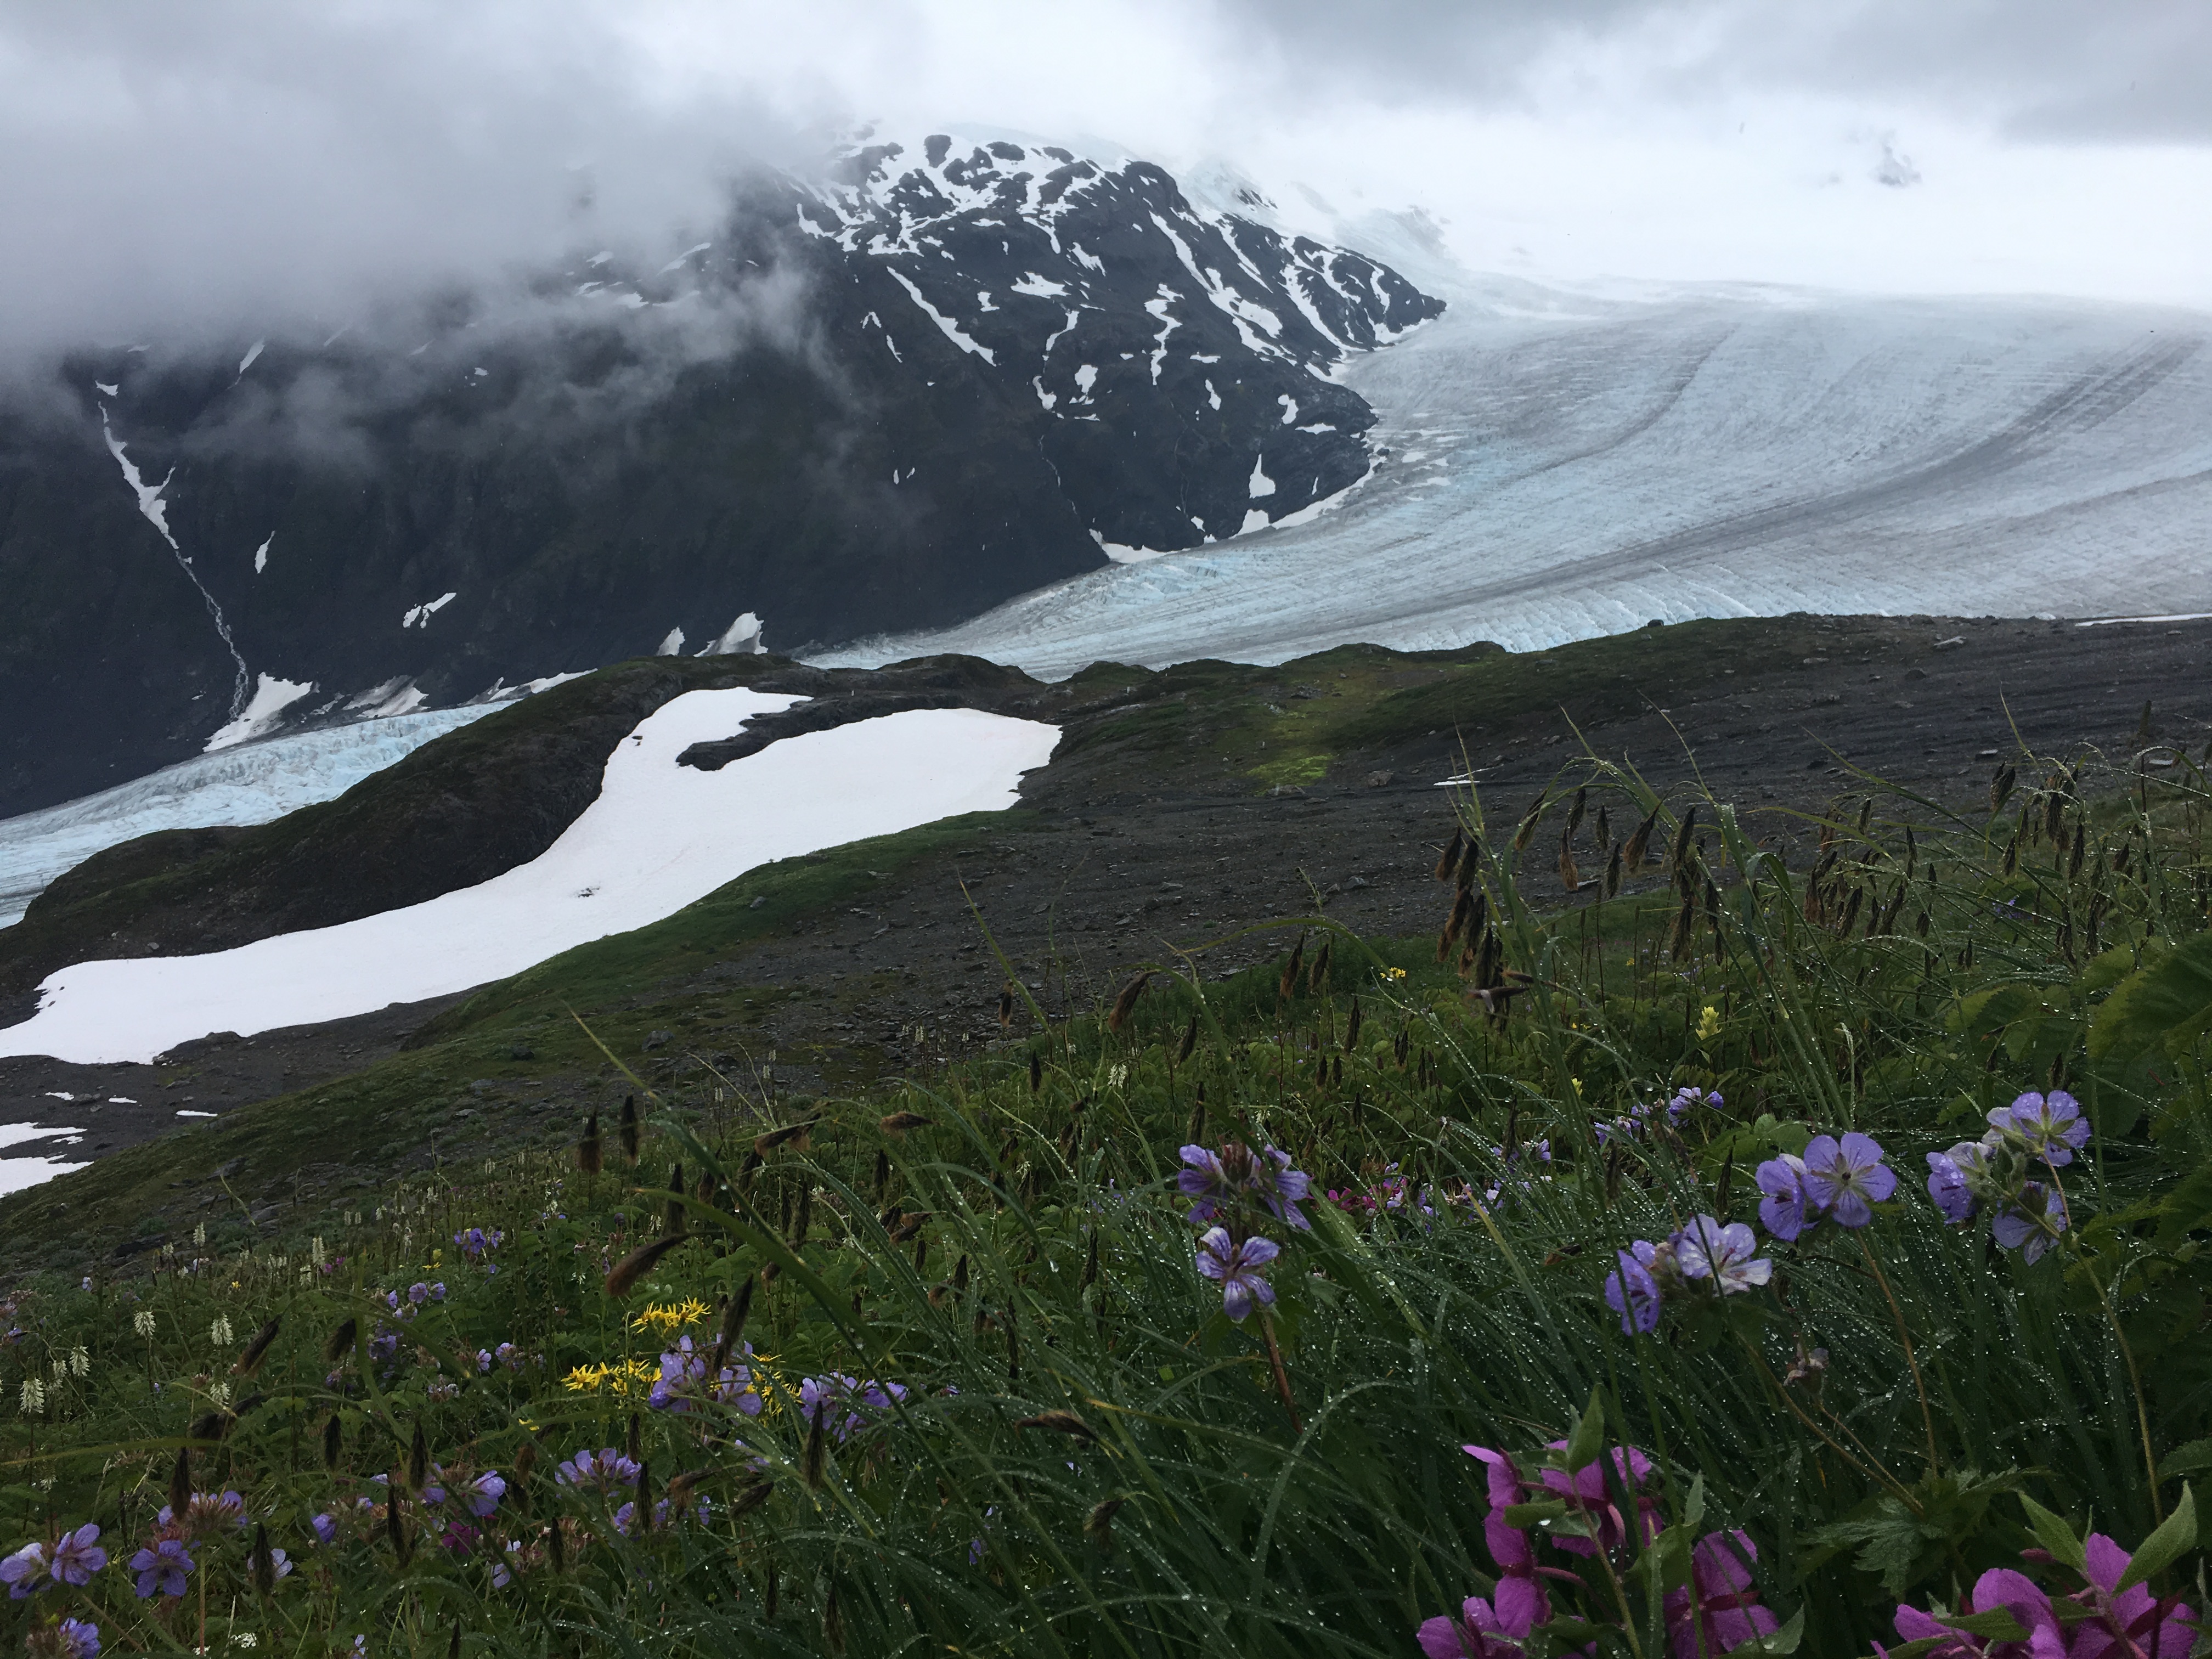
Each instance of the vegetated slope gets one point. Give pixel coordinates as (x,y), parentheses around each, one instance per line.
(889,396)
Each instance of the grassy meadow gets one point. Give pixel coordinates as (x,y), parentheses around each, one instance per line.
(934,1369)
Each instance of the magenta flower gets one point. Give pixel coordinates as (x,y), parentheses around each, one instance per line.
(1718,1611)
(2053,1125)
(1726,1254)
(1585,1492)
(1846,1178)
(1509,1545)
(1484,1631)
(2153,1626)
(1234,1265)
(1782,1210)
(1631,1292)
(162,1569)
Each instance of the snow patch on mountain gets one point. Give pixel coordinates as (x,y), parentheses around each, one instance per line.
(262,713)
(660,836)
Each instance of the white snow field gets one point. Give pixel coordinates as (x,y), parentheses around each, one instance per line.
(252,783)
(660,836)
(17,1172)
(1565,465)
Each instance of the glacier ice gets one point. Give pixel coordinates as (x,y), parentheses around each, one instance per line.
(1552,465)
(252,783)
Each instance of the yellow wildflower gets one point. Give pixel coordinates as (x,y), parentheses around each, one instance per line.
(673,1316)
(1708,1024)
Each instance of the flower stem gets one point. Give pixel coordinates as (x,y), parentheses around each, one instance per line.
(1282,1377)
(2127,1354)
(1920,1386)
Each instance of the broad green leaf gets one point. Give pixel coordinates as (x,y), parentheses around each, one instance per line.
(1534,1515)
(2163,1005)
(1587,1440)
(1694,1510)
(2054,1535)
(1784,1640)
(1998,1623)
(2175,1537)
(2192,1458)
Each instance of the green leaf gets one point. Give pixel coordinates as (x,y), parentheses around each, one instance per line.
(2165,1005)
(2192,1458)
(1998,1623)
(1694,1510)
(1783,1640)
(1919,1648)
(2054,1535)
(1534,1515)
(2175,1537)
(1587,1440)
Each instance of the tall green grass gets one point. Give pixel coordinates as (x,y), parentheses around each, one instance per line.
(1189,1500)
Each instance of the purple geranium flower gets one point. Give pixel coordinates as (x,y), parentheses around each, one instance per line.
(1234,1265)
(23,1571)
(326,1528)
(78,1556)
(1204,1180)
(1847,1178)
(2032,1225)
(606,1469)
(482,1495)
(2051,1124)
(162,1568)
(75,1638)
(1726,1254)
(1951,1177)
(828,1392)
(1631,1292)
(1782,1210)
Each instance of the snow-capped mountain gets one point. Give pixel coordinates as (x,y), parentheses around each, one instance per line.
(938,374)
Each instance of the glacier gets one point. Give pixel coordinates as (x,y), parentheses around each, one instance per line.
(249,783)
(1552,465)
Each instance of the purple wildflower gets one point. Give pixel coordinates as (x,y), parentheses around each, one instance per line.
(162,1568)
(1847,1178)
(1631,1292)
(1686,1099)
(1951,1180)
(75,1639)
(2053,1125)
(77,1555)
(1782,1210)
(1726,1254)
(1234,1265)
(21,1571)
(1485,1632)
(1204,1180)
(482,1495)
(835,1390)
(2032,1225)
(326,1528)
(606,1469)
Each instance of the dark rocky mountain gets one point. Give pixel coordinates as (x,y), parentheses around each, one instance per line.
(941,374)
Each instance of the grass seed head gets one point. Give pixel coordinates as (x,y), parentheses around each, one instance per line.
(1126,1004)
(333,1442)
(590,1156)
(640,1262)
(1061,1422)
(1098,1526)
(1189,1040)
(629,1129)
(418,1460)
(341,1341)
(1287,987)
(256,1350)
(1527,832)
(1640,840)
(1447,861)
(1036,1071)
(180,1482)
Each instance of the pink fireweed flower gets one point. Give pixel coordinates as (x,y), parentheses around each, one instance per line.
(1483,1631)
(1585,1492)
(1234,1265)
(1728,1255)
(1718,1611)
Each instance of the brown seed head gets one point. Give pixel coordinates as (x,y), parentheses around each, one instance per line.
(629,1128)
(333,1442)
(340,1342)
(256,1350)
(1061,1422)
(261,1561)
(1126,1002)
(1447,861)
(789,1134)
(1640,840)
(1098,1527)
(590,1155)
(640,1262)
(180,1482)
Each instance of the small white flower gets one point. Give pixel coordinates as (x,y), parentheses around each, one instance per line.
(199,1234)
(220,1393)
(315,1250)
(143,1322)
(33,1397)
(80,1361)
(220,1332)
(243,1638)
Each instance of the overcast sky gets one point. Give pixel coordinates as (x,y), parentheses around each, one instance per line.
(167,167)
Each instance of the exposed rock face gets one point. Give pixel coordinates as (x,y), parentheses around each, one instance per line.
(887,398)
